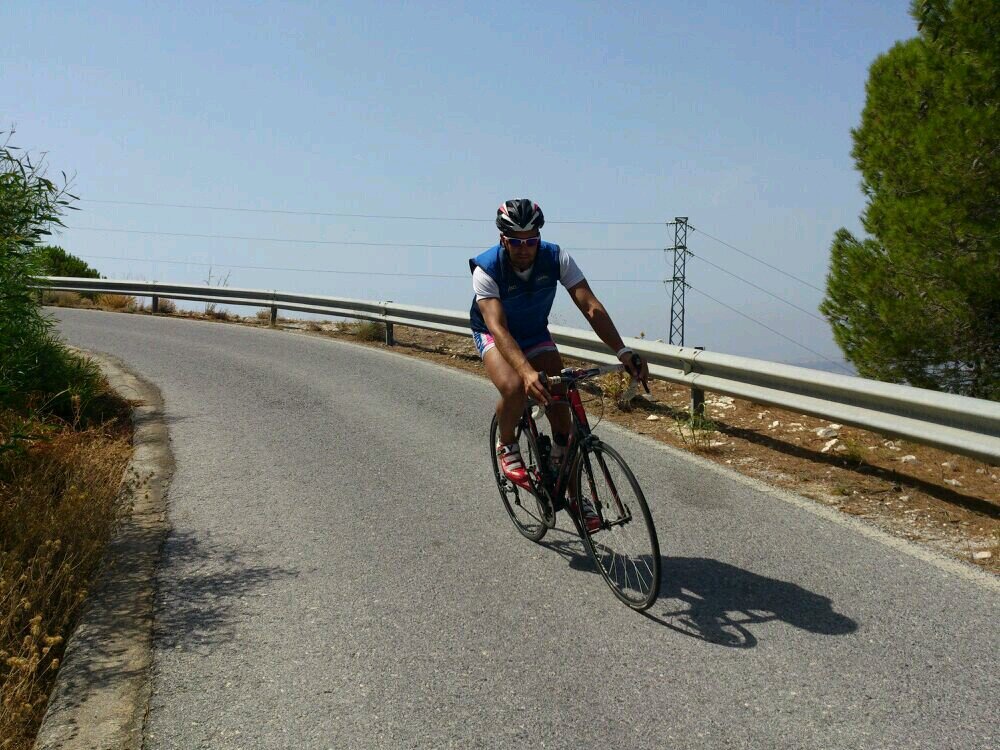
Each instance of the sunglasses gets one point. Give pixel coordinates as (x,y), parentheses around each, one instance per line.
(529,242)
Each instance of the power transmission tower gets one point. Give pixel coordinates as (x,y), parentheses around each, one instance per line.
(680,224)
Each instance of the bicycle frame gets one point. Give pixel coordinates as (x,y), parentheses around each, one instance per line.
(580,437)
(627,557)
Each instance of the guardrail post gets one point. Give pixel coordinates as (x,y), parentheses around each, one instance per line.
(274,315)
(698,396)
(41,296)
(154,305)
(389,340)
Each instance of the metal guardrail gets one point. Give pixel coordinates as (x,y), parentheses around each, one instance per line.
(964,425)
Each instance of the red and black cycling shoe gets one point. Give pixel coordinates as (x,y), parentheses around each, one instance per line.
(512,465)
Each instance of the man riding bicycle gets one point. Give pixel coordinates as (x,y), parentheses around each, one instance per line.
(515,285)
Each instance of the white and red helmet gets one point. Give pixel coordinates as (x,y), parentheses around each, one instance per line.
(519,215)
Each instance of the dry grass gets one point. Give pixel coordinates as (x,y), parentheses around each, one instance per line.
(65,299)
(619,389)
(365,330)
(59,505)
(264,316)
(167,306)
(123,302)
(217,313)
(369,330)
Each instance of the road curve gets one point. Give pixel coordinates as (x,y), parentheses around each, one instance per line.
(341,573)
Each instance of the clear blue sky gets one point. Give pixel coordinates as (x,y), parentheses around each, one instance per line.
(736,115)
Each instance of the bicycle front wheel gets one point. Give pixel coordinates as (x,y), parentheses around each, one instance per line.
(523,507)
(625,547)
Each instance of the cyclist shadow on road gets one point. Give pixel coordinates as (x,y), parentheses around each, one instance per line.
(720,603)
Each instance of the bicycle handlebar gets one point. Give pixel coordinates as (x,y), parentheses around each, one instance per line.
(581,374)
(575,376)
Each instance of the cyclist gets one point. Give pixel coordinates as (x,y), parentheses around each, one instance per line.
(515,285)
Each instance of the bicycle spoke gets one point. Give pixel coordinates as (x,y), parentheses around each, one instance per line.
(625,550)
(521,505)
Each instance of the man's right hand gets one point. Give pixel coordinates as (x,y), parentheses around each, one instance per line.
(534,385)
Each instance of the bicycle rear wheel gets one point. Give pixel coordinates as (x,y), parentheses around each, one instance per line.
(523,507)
(625,548)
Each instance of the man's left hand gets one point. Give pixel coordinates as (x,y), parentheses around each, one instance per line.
(636,367)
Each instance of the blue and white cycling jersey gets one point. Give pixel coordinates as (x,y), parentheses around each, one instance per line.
(526,298)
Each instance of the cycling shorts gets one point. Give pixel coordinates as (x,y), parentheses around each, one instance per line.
(531,347)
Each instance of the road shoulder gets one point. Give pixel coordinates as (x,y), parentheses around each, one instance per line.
(102,692)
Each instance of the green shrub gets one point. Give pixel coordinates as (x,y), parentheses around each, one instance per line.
(38,375)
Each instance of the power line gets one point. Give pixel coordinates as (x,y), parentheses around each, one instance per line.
(349,215)
(762,262)
(776,333)
(760,288)
(331,270)
(341,242)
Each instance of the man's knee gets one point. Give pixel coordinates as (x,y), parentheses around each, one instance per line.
(511,389)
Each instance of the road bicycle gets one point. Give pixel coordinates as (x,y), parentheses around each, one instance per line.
(624,548)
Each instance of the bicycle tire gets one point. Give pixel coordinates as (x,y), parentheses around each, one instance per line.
(524,508)
(628,523)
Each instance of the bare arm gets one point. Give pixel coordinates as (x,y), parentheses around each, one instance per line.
(596,315)
(496,321)
(604,327)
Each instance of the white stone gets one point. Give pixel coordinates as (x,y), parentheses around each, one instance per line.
(827,432)
(774,424)
(908,459)
(826,448)
(982,555)
(652,418)
(904,498)
(717,443)
(953,482)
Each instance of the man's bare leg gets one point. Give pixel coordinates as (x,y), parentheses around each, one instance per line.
(551,364)
(512,401)
(510,407)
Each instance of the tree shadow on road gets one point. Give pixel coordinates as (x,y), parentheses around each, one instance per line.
(207,583)
(719,603)
(109,655)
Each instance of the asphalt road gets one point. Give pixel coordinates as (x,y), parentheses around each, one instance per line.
(341,574)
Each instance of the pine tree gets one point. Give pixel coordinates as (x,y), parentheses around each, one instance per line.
(54,261)
(919,301)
